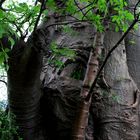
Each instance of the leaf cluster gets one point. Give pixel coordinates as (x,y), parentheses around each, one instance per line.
(20,19)
(8,128)
(100,11)
(58,53)
(17,21)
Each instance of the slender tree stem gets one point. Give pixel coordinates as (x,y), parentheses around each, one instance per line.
(40,13)
(107,57)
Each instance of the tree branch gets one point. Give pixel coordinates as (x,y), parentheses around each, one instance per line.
(135,9)
(107,57)
(40,13)
(80,9)
(3,82)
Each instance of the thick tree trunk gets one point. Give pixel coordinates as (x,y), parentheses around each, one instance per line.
(133,58)
(24,84)
(116,113)
(62,87)
(24,90)
(114,110)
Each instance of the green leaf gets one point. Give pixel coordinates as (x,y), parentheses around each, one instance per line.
(132,42)
(2,31)
(102,5)
(2,57)
(11,41)
(67,29)
(116,28)
(6,50)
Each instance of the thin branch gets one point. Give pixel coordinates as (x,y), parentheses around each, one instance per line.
(135,9)
(86,6)
(3,82)
(67,15)
(134,34)
(3,9)
(66,23)
(1,2)
(36,2)
(40,13)
(80,9)
(107,57)
(27,29)
(87,12)
(18,29)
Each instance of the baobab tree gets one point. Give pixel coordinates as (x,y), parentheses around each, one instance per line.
(76,76)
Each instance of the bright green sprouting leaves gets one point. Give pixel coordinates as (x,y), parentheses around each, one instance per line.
(58,52)
(120,16)
(99,11)
(3,55)
(8,128)
(20,18)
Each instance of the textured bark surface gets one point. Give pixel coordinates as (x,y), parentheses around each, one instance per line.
(115,109)
(81,120)
(50,115)
(63,83)
(24,91)
(132,43)
(24,84)
(133,57)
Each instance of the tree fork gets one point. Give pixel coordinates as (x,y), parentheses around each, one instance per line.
(91,72)
(91,77)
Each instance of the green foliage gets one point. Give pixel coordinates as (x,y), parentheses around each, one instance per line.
(8,129)
(132,42)
(98,11)
(51,6)
(58,52)
(21,17)
(62,51)
(17,21)
(69,30)
(110,95)
(121,20)
(70,7)
(3,55)
(78,73)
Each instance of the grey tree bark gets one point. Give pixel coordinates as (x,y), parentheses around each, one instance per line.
(48,114)
(133,50)
(117,109)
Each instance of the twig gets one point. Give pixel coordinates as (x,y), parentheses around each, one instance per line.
(107,57)
(135,9)
(40,13)
(87,12)
(18,28)
(36,2)
(3,82)
(66,23)
(80,9)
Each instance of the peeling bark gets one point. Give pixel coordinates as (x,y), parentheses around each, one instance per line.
(81,120)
